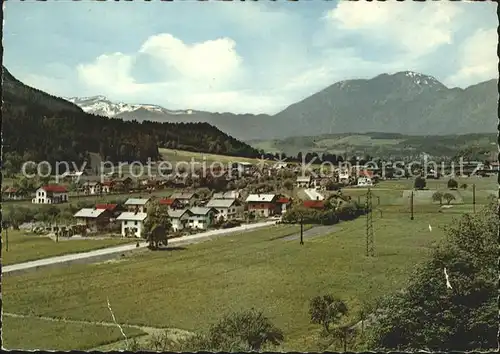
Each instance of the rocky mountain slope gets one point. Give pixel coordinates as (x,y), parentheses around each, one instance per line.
(405,103)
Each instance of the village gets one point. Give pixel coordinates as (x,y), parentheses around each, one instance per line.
(243,193)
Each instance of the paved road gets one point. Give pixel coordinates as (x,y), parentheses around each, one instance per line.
(125,248)
(313,194)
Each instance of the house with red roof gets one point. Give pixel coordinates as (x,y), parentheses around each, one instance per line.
(51,194)
(314,204)
(283,203)
(172,203)
(13,193)
(113,209)
(365,178)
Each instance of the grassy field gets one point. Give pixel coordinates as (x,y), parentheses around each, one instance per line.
(396,192)
(172,155)
(25,247)
(36,333)
(190,289)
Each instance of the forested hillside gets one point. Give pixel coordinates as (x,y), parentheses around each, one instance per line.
(41,127)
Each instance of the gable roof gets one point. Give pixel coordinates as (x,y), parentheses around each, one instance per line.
(260,198)
(168,201)
(317,204)
(109,207)
(220,203)
(136,201)
(182,195)
(54,188)
(201,210)
(176,214)
(365,173)
(89,213)
(130,216)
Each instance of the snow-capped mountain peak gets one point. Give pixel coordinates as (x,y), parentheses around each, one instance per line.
(421,79)
(101,105)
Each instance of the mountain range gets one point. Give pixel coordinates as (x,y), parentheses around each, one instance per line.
(37,126)
(404,102)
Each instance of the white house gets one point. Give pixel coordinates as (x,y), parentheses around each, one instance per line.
(201,218)
(179,218)
(242,167)
(137,204)
(226,208)
(227,195)
(92,188)
(344,176)
(50,194)
(365,182)
(303,181)
(132,222)
(186,198)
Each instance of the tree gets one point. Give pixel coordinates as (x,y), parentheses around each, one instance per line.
(343,333)
(438,197)
(157,224)
(288,184)
(420,183)
(464,186)
(429,315)
(452,184)
(240,331)
(326,310)
(448,197)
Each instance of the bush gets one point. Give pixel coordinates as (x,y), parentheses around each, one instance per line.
(348,211)
(420,183)
(230,223)
(452,184)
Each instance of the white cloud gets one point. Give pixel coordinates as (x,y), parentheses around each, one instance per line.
(275,56)
(415,27)
(212,60)
(478,59)
(109,72)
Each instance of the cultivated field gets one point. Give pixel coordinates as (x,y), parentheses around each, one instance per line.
(24,247)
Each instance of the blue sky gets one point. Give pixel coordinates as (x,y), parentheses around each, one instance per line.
(255,57)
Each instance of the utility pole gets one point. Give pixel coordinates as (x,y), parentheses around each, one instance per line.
(369,225)
(6,239)
(301,230)
(411,205)
(474,197)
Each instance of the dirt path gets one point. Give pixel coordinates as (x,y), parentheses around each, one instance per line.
(146,329)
